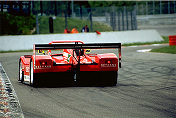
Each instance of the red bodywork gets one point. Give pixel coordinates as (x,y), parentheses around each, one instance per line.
(69,61)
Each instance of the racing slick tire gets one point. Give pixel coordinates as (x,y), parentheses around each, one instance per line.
(109,79)
(113,80)
(21,73)
(99,78)
(33,81)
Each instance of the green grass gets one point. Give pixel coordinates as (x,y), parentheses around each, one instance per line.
(165,40)
(167,49)
(10,51)
(59,25)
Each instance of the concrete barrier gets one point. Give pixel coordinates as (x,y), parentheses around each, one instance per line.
(25,42)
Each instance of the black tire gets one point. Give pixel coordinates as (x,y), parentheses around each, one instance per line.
(113,80)
(110,79)
(97,78)
(21,73)
(33,81)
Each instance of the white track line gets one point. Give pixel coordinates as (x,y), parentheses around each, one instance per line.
(144,50)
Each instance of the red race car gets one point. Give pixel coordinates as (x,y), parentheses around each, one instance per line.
(69,62)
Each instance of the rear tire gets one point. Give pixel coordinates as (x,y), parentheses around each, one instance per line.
(32,78)
(113,80)
(97,78)
(21,73)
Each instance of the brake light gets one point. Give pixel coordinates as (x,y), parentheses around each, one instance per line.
(43,63)
(108,62)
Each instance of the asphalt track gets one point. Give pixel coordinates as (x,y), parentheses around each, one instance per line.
(146,89)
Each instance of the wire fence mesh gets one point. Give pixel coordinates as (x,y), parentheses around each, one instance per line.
(49,13)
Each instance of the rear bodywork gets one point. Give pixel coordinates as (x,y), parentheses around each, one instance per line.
(72,66)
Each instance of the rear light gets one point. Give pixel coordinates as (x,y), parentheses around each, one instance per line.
(43,63)
(108,62)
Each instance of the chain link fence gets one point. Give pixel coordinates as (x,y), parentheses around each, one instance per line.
(73,15)
(117,18)
(156,7)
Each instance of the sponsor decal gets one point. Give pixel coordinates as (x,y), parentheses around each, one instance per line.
(68,59)
(27,69)
(108,65)
(43,67)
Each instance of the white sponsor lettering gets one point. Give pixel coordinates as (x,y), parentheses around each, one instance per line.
(26,78)
(108,65)
(43,67)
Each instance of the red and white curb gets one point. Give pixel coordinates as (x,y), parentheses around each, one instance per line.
(9,103)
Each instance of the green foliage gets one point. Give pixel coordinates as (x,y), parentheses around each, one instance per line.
(15,25)
(59,25)
(11,51)
(167,49)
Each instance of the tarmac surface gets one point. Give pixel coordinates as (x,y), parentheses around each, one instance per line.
(163,30)
(146,89)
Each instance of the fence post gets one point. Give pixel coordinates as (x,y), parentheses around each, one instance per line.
(168,7)
(135,18)
(137,7)
(174,6)
(146,8)
(153,7)
(160,7)
(41,8)
(119,20)
(80,11)
(33,6)
(91,23)
(131,13)
(1,18)
(65,19)
(72,8)
(106,15)
(55,8)
(51,29)
(1,22)
(113,18)
(123,19)
(126,17)
(37,24)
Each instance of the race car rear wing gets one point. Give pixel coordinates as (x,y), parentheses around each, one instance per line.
(80,46)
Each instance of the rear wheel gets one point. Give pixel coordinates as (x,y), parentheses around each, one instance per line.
(109,78)
(32,79)
(97,78)
(113,79)
(21,72)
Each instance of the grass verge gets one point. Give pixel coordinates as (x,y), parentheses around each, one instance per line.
(10,51)
(165,40)
(59,25)
(167,49)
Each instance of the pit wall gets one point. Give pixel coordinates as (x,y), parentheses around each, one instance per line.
(25,42)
